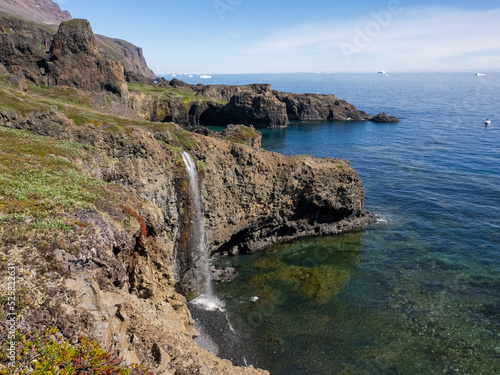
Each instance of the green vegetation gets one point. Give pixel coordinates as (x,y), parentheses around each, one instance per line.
(40,185)
(183,138)
(201,166)
(73,102)
(242,134)
(75,22)
(186,94)
(49,353)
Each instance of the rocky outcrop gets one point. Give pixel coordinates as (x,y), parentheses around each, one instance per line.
(383,117)
(69,58)
(255,105)
(275,197)
(259,110)
(235,133)
(307,107)
(24,47)
(72,56)
(74,61)
(49,14)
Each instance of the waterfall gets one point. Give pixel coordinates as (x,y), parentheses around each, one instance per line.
(197,244)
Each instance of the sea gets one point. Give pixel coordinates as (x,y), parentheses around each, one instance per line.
(416,293)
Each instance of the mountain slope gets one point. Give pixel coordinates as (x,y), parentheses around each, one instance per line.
(40,11)
(48,13)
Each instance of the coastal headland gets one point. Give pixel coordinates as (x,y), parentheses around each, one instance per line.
(94,208)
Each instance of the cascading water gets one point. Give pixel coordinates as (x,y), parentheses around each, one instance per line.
(208,311)
(198,249)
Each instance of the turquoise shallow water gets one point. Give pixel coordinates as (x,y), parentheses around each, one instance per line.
(417,293)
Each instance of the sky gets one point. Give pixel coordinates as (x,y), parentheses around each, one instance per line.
(276,36)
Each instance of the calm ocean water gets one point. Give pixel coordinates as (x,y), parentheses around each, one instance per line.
(417,293)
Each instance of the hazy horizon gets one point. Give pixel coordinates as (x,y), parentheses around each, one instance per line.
(247,37)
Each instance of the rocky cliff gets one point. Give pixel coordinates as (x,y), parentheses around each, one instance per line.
(74,61)
(114,270)
(257,105)
(94,209)
(70,57)
(48,14)
(130,56)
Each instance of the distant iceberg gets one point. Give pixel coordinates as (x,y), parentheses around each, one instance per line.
(205,76)
(480,74)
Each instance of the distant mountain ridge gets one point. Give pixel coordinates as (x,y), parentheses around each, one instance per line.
(48,13)
(44,12)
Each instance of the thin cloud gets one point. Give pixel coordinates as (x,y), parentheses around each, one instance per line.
(425,36)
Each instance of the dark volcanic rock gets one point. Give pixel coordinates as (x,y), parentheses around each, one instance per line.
(252,105)
(259,110)
(178,83)
(74,37)
(23,47)
(318,107)
(70,57)
(207,113)
(226,92)
(74,61)
(224,275)
(383,117)
(169,110)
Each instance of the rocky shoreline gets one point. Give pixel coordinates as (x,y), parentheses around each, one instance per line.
(112,259)
(255,104)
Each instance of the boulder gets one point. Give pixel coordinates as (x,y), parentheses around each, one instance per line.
(383,117)
(17,80)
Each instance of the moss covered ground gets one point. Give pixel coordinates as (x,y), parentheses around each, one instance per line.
(186,94)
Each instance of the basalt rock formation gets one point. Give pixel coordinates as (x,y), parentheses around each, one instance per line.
(31,36)
(74,61)
(256,104)
(306,107)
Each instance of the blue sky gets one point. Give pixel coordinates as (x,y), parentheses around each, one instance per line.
(257,36)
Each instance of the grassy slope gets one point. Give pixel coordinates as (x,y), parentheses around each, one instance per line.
(42,193)
(186,94)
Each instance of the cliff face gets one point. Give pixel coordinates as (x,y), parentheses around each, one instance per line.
(94,207)
(257,105)
(254,198)
(129,55)
(74,61)
(30,14)
(111,274)
(123,256)
(69,58)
